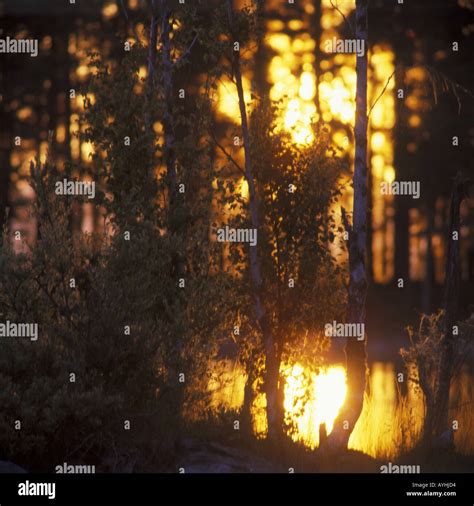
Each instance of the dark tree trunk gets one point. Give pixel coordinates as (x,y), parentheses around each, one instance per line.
(150,82)
(271,365)
(402,251)
(402,160)
(451,303)
(428,284)
(317,51)
(4,182)
(249,397)
(162,16)
(169,148)
(370,234)
(5,149)
(261,57)
(168,123)
(67,87)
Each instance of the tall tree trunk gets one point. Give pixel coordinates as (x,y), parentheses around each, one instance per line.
(4,181)
(370,231)
(169,148)
(168,123)
(402,161)
(67,86)
(402,245)
(428,284)
(262,86)
(318,31)
(451,303)
(150,82)
(249,397)
(356,359)
(5,147)
(163,14)
(271,365)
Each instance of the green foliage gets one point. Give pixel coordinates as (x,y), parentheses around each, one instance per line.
(125,278)
(152,303)
(297,187)
(81,331)
(423,356)
(302,284)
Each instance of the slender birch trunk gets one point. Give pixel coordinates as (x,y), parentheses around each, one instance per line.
(355,350)
(271,365)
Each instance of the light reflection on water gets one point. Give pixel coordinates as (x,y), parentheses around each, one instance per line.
(390,422)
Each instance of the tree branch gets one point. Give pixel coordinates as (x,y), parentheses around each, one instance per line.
(130,23)
(344,17)
(435,75)
(381,93)
(186,52)
(226,153)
